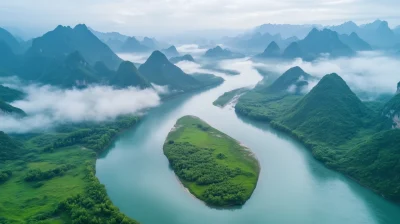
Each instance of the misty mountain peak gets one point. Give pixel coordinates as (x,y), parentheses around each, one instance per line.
(82,27)
(157,58)
(398,88)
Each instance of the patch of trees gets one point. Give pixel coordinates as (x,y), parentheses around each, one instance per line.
(9,149)
(38,175)
(94,206)
(199,165)
(5,175)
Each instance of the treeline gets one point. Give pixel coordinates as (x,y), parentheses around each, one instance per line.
(5,175)
(38,175)
(92,136)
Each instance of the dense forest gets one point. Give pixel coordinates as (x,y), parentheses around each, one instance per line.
(46,166)
(214,167)
(343,132)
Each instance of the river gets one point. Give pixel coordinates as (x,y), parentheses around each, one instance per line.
(293,187)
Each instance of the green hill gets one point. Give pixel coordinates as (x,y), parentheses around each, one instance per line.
(8,95)
(158,70)
(8,109)
(127,75)
(391,111)
(293,81)
(65,40)
(329,113)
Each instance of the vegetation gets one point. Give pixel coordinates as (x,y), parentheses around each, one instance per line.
(158,70)
(50,177)
(227,97)
(214,167)
(8,95)
(127,75)
(7,108)
(340,130)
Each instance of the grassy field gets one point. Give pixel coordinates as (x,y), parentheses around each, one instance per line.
(64,188)
(227,97)
(213,166)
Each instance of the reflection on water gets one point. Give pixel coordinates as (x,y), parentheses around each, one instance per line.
(293,187)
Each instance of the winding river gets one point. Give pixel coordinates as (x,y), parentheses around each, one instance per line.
(293,187)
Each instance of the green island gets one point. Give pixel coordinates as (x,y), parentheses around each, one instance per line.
(356,138)
(228,97)
(211,165)
(50,177)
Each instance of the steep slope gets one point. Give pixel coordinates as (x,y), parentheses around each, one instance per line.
(158,70)
(171,51)
(330,113)
(8,109)
(127,75)
(272,51)
(8,60)
(218,52)
(345,28)
(186,57)
(293,51)
(133,45)
(378,34)
(355,42)
(8,95)
(150,43)
(64,40)
(391,110)
(10,40)
(73,71)
(293,80)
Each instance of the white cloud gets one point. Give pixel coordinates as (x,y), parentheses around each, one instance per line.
(47,106)
(372,72)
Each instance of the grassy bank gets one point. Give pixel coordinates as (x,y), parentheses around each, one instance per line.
(228,97)
(53,176)
(213,166)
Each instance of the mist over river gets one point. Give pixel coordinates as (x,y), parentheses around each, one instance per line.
(293,187)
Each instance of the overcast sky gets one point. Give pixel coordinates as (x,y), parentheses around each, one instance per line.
(154,17)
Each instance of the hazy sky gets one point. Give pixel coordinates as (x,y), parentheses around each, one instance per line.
(153,17)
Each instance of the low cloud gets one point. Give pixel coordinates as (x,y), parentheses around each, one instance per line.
(371,72)
(48,106)
(192,49)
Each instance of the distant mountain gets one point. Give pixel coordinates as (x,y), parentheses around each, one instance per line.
(10,40)
(324,41)
(286,30)
(158,70)
(171,51)
(218,52)
(8,59)
(355,42)
(132,45)
(109,35)
(293,51)
(114,44)
(65,40)
(128,76)
(8,95)
(397,30)
(294,80)
(329,113)
(151,43)
(345,28)
(103,71)
(186,57)
(8,109)
(392,109)
(255,42)
(272,51)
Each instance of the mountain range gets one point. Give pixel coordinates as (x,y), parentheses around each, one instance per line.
(220,53)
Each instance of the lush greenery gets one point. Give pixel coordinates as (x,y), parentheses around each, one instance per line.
(227,97)
(50,177)
(127,75)
(214,167)
(340,130)
(160,71)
